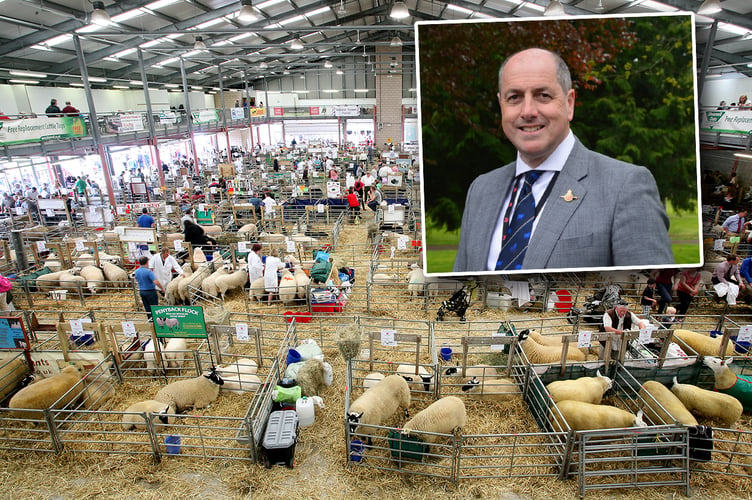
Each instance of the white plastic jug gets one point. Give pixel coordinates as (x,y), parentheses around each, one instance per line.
(304,408)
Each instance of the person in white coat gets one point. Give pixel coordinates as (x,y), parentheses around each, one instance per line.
(255,266)
(163,264)
(271,281)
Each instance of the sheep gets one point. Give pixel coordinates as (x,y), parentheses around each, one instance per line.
(494,389)
(585,389)
(416,281)
(703,344)
(549,340)
(212,229)
(12,372)
(232,281)
(149,356)
(94,278)
(115,273)
(49,280)
(258,290)
(174,353)
(134,414)
(669,407)
(198,256)
(314,377)
(45,393)
(472,371)
(99,387)
(418,377)
(288,287)
(171,290)
(71,282)
(240,376)
(586,416)
(542,354)
(209,285)
(193,281)
(197,392)
(272,238)
(53,263)
(729,382)
(377,404)
(441,417)
(384,278)
(301,280)
(709,404)
(372,379)
(248,230)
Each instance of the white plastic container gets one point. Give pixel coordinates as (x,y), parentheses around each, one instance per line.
(306,414)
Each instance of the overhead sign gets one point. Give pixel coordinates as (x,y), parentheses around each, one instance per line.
(205,116)
(727,121)
(39,129)
(179,321)
(258,111)
(346,110)
(237,113)
(131,122)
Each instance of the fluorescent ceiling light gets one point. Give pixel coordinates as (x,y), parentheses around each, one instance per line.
(99,15)
(301,91)
(136,82)
(24,82)
(175,90)
(710,7)
(661,7)
(269,3)
(732,28)
(412,90)
(291,20)
(28,74)
(120,87)
(399,10)
(216,88)
(457,8)
(58,40)
(209,23)
(211,92)
(159,4)
(96,79)
(168,61)
(317,12)
(330,91)
(76,84)
(89,28)
(171,85)
(125,16)
(742,155)
(361,91)
(189,54)
(197,87)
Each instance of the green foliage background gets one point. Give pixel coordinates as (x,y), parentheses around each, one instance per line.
(633,79)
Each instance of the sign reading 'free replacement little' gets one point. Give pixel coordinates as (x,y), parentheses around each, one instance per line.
(179,321)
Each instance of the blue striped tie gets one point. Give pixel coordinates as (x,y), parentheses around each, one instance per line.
(519,226)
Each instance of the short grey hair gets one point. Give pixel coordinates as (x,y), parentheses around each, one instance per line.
(563,75)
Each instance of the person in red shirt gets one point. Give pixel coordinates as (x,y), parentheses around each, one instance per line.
(69,110)
(354,204)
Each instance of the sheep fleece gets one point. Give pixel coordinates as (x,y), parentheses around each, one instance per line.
(311,377)
(442,417)
(381,401)
(198,392)
(44,393)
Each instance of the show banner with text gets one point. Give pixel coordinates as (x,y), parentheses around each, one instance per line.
(38,129)
(727,121)
(179,321)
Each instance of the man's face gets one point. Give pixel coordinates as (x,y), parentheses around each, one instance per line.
(535,110)
(621,311)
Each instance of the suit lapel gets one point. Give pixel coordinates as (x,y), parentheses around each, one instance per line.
(558,211)
(483,242)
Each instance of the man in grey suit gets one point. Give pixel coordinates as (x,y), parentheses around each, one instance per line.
(589,210)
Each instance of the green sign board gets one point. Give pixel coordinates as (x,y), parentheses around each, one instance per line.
(179,321)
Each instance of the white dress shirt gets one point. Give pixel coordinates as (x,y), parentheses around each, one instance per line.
(554,163)
(163,270)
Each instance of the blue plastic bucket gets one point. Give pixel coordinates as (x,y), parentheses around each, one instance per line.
(293,356)
(446,353)
(172,444)
(356,450)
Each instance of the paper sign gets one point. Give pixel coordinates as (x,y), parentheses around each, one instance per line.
(718,245)
(213,190)
(178,244)
(402,244)
(242,246)
(77,327)
(132,247)
(168,209)
(734,239)
(390,209)
(241,331)
(583,340)
(120,230)
(41,246)
(387,338)
(645,335)
(745,334)
(19,211)
(290,246)
(80,246)
(129,329)
(49,212)
(320,208)
(497,347)
(202,207)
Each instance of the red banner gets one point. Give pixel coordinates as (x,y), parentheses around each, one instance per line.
(313,110)
(279,111)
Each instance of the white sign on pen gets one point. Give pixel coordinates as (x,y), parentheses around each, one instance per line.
(320,208)
(390,209)
(241,331)
(290,246)
(41,246)
(645,335)
(129,329)
(402,244)
(49,212)
(242,246)
(80,246)
(202,207)
(718,244)
(178,244)
(387,338)
(745,334)
(77,327)
(583,340)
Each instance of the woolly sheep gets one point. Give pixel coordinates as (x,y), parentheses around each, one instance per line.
(314,377)
(669,407)
(709,404)
(232,281)
(94,278)
(197,392)
(586,416)
(53,263)
(198,256)
(585,389)
(377,404)
(288,287)
(258,290)
(134,414)
(703,344)
(472,371)
(729,382)
(44,393)
(441,417)
(99,387)
(149,356)
(493,389)
(543,354)
(71,282)
(209,285)
(248,230)
(12,372)
(115,273)
(418,378)
(416,281)
(301,280)
(384,278)
(372,379)
(171,290)
(175,353)
(549,340)
(50,280)
(194,281)
(272,238)
(240,376)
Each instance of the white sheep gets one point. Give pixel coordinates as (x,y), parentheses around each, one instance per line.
(416,281)
(49,280)
(209,285)
(115,274)
(175,353)
(248,230)
(377,404)
(258,290)
(71,282)
(418,378)
(585,389)
(199,257)
(12,372)
(441,417)
(194,281)
(288,287)
(301,280)
(729,382)
(232,281)
(44,393)
(544,354)
(704,344)
(171,290)
(586,416)
(134,414)
(314,377)
(493,389)
(94,278)
(372,379)
(709,404)
(472,371)
(197,392)
(53,263)
(240,376)
(384,278)
(668,409)
(99,386)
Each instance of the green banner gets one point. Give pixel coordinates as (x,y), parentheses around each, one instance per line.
(179,321)
(41,128)
(727,121)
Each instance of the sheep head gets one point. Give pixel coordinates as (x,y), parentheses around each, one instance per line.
(214,377)
(353,420)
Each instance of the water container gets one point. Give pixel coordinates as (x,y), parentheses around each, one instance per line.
(356,450)
(172,444)
(446,353)
(304,408)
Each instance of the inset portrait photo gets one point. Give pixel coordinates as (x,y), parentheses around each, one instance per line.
(552,145)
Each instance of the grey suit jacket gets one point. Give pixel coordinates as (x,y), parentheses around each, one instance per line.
(616,220)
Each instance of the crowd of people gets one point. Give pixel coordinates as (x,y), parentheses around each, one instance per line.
(741,104)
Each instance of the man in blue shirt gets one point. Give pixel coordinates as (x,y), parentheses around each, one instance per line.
(147,285)
(145,220)
(746,270)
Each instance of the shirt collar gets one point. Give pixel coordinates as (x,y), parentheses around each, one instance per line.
(555,161)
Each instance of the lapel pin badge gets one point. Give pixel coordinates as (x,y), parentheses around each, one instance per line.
(568,196)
